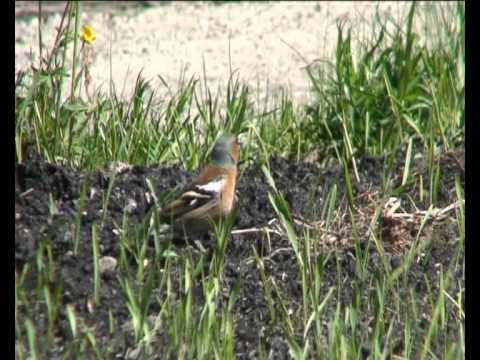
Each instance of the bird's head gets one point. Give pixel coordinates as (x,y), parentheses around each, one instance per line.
(225,152)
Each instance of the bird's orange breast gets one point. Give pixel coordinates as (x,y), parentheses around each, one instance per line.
(228,194)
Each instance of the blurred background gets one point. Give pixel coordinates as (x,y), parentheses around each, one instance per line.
(268,45)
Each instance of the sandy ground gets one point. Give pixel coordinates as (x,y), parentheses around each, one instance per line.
(268,44)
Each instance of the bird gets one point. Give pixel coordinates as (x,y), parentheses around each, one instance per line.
(210,196)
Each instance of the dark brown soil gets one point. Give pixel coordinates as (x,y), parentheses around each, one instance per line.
(304,186)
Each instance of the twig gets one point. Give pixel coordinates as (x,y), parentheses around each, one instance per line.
(25,193)
(255,230)
(270,256)
(437,214)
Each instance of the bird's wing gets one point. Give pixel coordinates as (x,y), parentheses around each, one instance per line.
(193,198)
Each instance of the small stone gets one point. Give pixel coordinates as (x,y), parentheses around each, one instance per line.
(107,264)
(313,157)
(91,306)
(331,239)
(131,206)
(93,192)
(136,353)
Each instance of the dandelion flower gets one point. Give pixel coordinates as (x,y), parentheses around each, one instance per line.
(87,34)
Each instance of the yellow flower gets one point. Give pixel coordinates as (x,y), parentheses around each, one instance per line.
(87,34)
